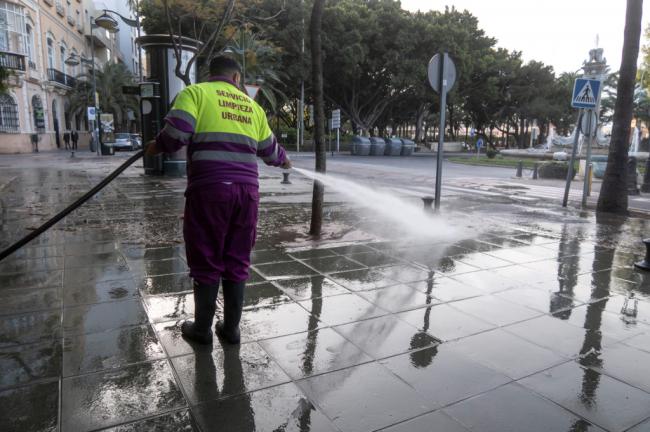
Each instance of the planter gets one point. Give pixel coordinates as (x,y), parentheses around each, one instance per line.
(554,170)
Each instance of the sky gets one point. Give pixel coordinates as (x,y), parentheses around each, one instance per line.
(559,33)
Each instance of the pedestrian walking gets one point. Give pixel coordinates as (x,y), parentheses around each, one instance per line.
(224,131)
(66,139)
(74,136)
(34,139)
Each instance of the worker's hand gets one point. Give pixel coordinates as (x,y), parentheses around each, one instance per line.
(150,148)
(286,164)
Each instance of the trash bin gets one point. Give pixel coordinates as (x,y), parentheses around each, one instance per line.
(360,146)
(377,146)
(408,147)
(393,147)
(599,163)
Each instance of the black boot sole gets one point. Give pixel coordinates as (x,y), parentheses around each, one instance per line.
(221,332)
(189,332)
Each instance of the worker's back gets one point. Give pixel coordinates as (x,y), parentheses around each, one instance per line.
(228,132)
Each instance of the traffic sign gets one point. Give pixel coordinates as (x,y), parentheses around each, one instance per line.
(589,124)
(336,119)
(252,90)
(586,93)
(91,113)
(479,143)
(448,74)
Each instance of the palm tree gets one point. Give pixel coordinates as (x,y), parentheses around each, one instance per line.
(613,193)
(110,80)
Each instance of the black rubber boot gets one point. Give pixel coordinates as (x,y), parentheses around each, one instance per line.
(205,304)
(233,302)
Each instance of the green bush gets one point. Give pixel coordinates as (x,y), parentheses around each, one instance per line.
(491,153)
(554,170)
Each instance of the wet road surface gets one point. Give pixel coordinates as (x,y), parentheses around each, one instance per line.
(533,320)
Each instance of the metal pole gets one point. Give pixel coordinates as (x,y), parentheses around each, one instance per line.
(588,135)
(441,133)
(338,141)
(137,18)
(92,52)
(569,174)
(301,133)
(301,120)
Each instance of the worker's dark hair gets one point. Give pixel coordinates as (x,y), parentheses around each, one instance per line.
(224,66)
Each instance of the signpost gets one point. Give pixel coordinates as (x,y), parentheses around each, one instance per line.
(442,76)
(336,124)
(479,144)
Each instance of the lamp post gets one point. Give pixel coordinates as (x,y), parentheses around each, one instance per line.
(75,60)
(109,23)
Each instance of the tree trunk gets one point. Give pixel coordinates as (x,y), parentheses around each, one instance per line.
(613,193)
(319,114)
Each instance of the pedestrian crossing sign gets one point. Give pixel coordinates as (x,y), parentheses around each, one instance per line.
(586,93)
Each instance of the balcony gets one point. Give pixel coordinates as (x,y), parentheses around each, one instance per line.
(48,2)
(12,61)
(59,8)
(80,26)
(58,77)
(71,20)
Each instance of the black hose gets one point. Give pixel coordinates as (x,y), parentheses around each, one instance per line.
(63,213)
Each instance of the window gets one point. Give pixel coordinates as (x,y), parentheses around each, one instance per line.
(50,53)
(8,114)
(63,57)
(31,50)
(39,114)
(69,9)
(74,70)
(12,28)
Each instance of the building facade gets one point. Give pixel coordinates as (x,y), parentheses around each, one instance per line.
(36,39)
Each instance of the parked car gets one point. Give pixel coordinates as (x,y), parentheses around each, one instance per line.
(137,141)
(123,141)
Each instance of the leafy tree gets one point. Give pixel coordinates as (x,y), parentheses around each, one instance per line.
(4,74)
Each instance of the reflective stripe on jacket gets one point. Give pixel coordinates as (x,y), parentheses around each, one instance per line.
(225,131)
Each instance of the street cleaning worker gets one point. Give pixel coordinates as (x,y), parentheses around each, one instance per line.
(224,131)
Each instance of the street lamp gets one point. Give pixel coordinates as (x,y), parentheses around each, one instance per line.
(109,23)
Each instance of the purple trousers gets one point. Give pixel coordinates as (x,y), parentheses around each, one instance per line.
(219,230)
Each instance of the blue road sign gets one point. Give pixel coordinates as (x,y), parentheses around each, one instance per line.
(586,93)
(479,143)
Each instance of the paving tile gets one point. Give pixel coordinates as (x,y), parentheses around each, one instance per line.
(616,303)
(10,266)
(269,256)
(169,307)
(373,259)
(289,270)
(110,398)
(311,287)
(264,294)
(311,253)
(108,350)
(622,362)
(495,349)
(483,261)
(405,273)
(18,300)
(495,310)
(351,249)
(98,292)
(385,336)
(89,275)
(29,327)
(398,298)
(274,321)
(449,267)
(436,421)
(487,281)
(591,395)
(342,309)
(643,427)
(101,317)
(254,277)
(446,289)
(526,412)
(112,258)
(538,298)
(142,253)
(442,376)
(178,421)
(558,336)
(227,371)
(22,364)
(359,280)
(333,264)
(17,408)
(445,322)
(150,268)
(39,279)
(640,341)
(165,284)
(280,408)
(314,352)
(513,255)
(356,398)
(170,337)
(524,275)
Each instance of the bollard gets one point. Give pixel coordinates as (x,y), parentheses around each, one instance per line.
(632,188)
(645,264)
(645,187)
(590,176)
(286,178)
(428,201)
(520,168)
(535,169)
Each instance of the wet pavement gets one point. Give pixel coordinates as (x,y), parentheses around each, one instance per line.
(533,319)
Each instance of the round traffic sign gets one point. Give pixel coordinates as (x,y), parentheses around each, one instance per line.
(589,118)
(448,75)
